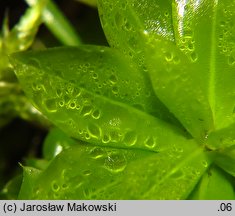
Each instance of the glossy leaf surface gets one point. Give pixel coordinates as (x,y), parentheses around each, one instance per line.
(178,51)
(88,172)
(192,68)
(72,94)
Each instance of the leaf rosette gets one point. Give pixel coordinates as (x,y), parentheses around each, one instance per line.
(154,112)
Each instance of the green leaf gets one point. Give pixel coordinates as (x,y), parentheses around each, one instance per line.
(89,101)
(39,164)
(11,189)
(130,25)
(55,142)
(88,172)
(202,73)
(30,174)
(222,138)
(214,185)
(208,41)
(225,158)
(186,53)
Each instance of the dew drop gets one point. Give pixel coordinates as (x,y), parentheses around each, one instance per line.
(205,164)
(96,153)
(113,79)
(114,135)
(222,23)
(176,60)
(56,196)
(96,114)
(59,92)
(178,174)
(87,136)
(77,92)
(94,130)
(150,142)
(51,105)
(128,26)
(115,90)
(69,89)
(86,110)
(100,86)
(34,62)
(196,172)
(231,60)
(39,87)
(86,192)
(115,163)
(118,19)
(130,138)
(95,76)
(78,107)
(193,57)
(190,47)
(34,86)
(55,186)
(86,172)
(72,104)
(166,14)
(168,56)
(64,186)
(61,103)
(124,6)
(106,138)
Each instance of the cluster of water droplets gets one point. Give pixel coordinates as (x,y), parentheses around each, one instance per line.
(80,103)
(187,43)
(226,42)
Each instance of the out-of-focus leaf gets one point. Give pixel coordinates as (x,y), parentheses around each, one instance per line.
(55,142)
(58,23)
(23,33)
(12,188)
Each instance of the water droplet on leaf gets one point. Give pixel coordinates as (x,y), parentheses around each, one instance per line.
(130,138)
(50,105)
(94,130)
(115,163)
(96,114)
(96,153)
(150,142)
(55,186)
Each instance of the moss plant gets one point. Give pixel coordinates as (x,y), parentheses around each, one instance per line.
(149,117)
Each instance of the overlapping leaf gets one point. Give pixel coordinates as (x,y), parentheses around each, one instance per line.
(214,185)
(184,51)
(89,172)
(190,48)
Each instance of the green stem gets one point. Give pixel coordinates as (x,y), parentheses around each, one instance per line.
(58,24)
